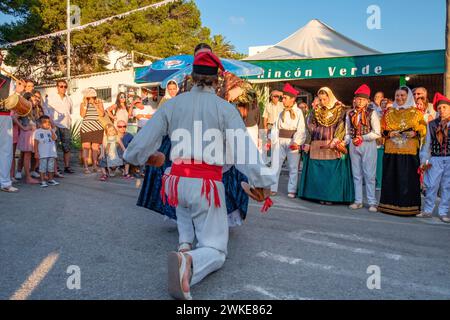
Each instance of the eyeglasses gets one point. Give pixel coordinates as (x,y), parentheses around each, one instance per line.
(121,127)
(65,87)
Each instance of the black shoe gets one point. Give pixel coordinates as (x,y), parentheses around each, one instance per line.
(68,170)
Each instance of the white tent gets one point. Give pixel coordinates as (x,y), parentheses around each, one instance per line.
(315,40)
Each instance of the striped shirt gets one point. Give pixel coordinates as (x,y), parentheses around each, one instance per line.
(90,121)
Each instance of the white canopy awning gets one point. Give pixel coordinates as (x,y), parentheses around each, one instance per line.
(315,40)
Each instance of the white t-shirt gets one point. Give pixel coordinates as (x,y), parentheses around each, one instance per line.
(46,147)
(148,110)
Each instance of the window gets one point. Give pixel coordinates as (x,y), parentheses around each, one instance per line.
(104,94)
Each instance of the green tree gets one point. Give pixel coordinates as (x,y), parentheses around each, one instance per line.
(171,29)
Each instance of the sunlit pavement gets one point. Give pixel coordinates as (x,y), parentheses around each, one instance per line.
(300,250)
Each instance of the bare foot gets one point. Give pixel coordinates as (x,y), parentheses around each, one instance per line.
(185,284)
(32,181)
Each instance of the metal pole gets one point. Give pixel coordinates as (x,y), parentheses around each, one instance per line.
(447,52)
(68,44)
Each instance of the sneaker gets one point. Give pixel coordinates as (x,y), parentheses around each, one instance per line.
(59,174)
(373,209)
(291,195)
(44,184)
(52,183)
(18,175)
(36,175)
(356,206)
(10,189)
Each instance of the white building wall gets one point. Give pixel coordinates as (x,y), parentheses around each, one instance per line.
(117,80)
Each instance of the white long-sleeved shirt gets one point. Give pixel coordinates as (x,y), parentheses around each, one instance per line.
(374,134)
(425,152)
(297,124)
(197,123)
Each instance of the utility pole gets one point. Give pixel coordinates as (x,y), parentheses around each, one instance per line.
(447,52)
(68,44)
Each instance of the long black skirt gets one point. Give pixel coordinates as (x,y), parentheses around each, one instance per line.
(400,191)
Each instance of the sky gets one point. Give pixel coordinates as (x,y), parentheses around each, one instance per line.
(406,25)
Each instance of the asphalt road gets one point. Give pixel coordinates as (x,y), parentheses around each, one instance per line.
(300,250)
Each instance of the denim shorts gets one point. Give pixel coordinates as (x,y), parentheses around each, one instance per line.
(46,165)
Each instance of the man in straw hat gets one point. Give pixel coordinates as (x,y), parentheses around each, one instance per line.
(362,131)
(435,160)
(6,134)
(194,182)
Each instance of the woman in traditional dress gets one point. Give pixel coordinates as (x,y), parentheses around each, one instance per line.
(404,129)
(326,174)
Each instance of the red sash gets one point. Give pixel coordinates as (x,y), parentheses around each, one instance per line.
(210,175)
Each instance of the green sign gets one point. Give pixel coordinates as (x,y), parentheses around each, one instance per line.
(421,62)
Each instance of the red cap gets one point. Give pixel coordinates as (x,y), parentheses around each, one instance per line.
(290,90)
(363,91)
(207,63)
(440,99)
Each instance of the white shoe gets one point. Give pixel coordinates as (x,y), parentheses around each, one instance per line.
(10,189)
(52,183)
(291,195)
(373,209)
(35,175)
(44,184)
(18,175)
(355,206)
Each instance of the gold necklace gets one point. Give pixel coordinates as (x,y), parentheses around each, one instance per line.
(328,117)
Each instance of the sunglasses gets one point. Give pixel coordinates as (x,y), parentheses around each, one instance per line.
(121,127)
(276,97)
(62,87)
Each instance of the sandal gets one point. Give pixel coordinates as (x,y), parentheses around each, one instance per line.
(176,272)
(104,178)
(86,171)
(184,247)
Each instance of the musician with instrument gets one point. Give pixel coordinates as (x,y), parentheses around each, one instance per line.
(9,102)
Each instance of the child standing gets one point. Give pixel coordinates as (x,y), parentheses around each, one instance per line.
(110,159)
(45,151)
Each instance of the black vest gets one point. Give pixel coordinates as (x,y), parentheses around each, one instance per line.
(5,84)
(364,129)
(436,149)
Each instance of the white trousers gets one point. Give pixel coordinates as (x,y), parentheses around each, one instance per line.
(364,166)
(6,150)
(196,218)
(293,160)
(438,176)
(253,132)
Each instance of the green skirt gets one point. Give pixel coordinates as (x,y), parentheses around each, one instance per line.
(327,180)
(380,166)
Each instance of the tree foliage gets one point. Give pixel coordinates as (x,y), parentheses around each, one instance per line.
(171,29)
